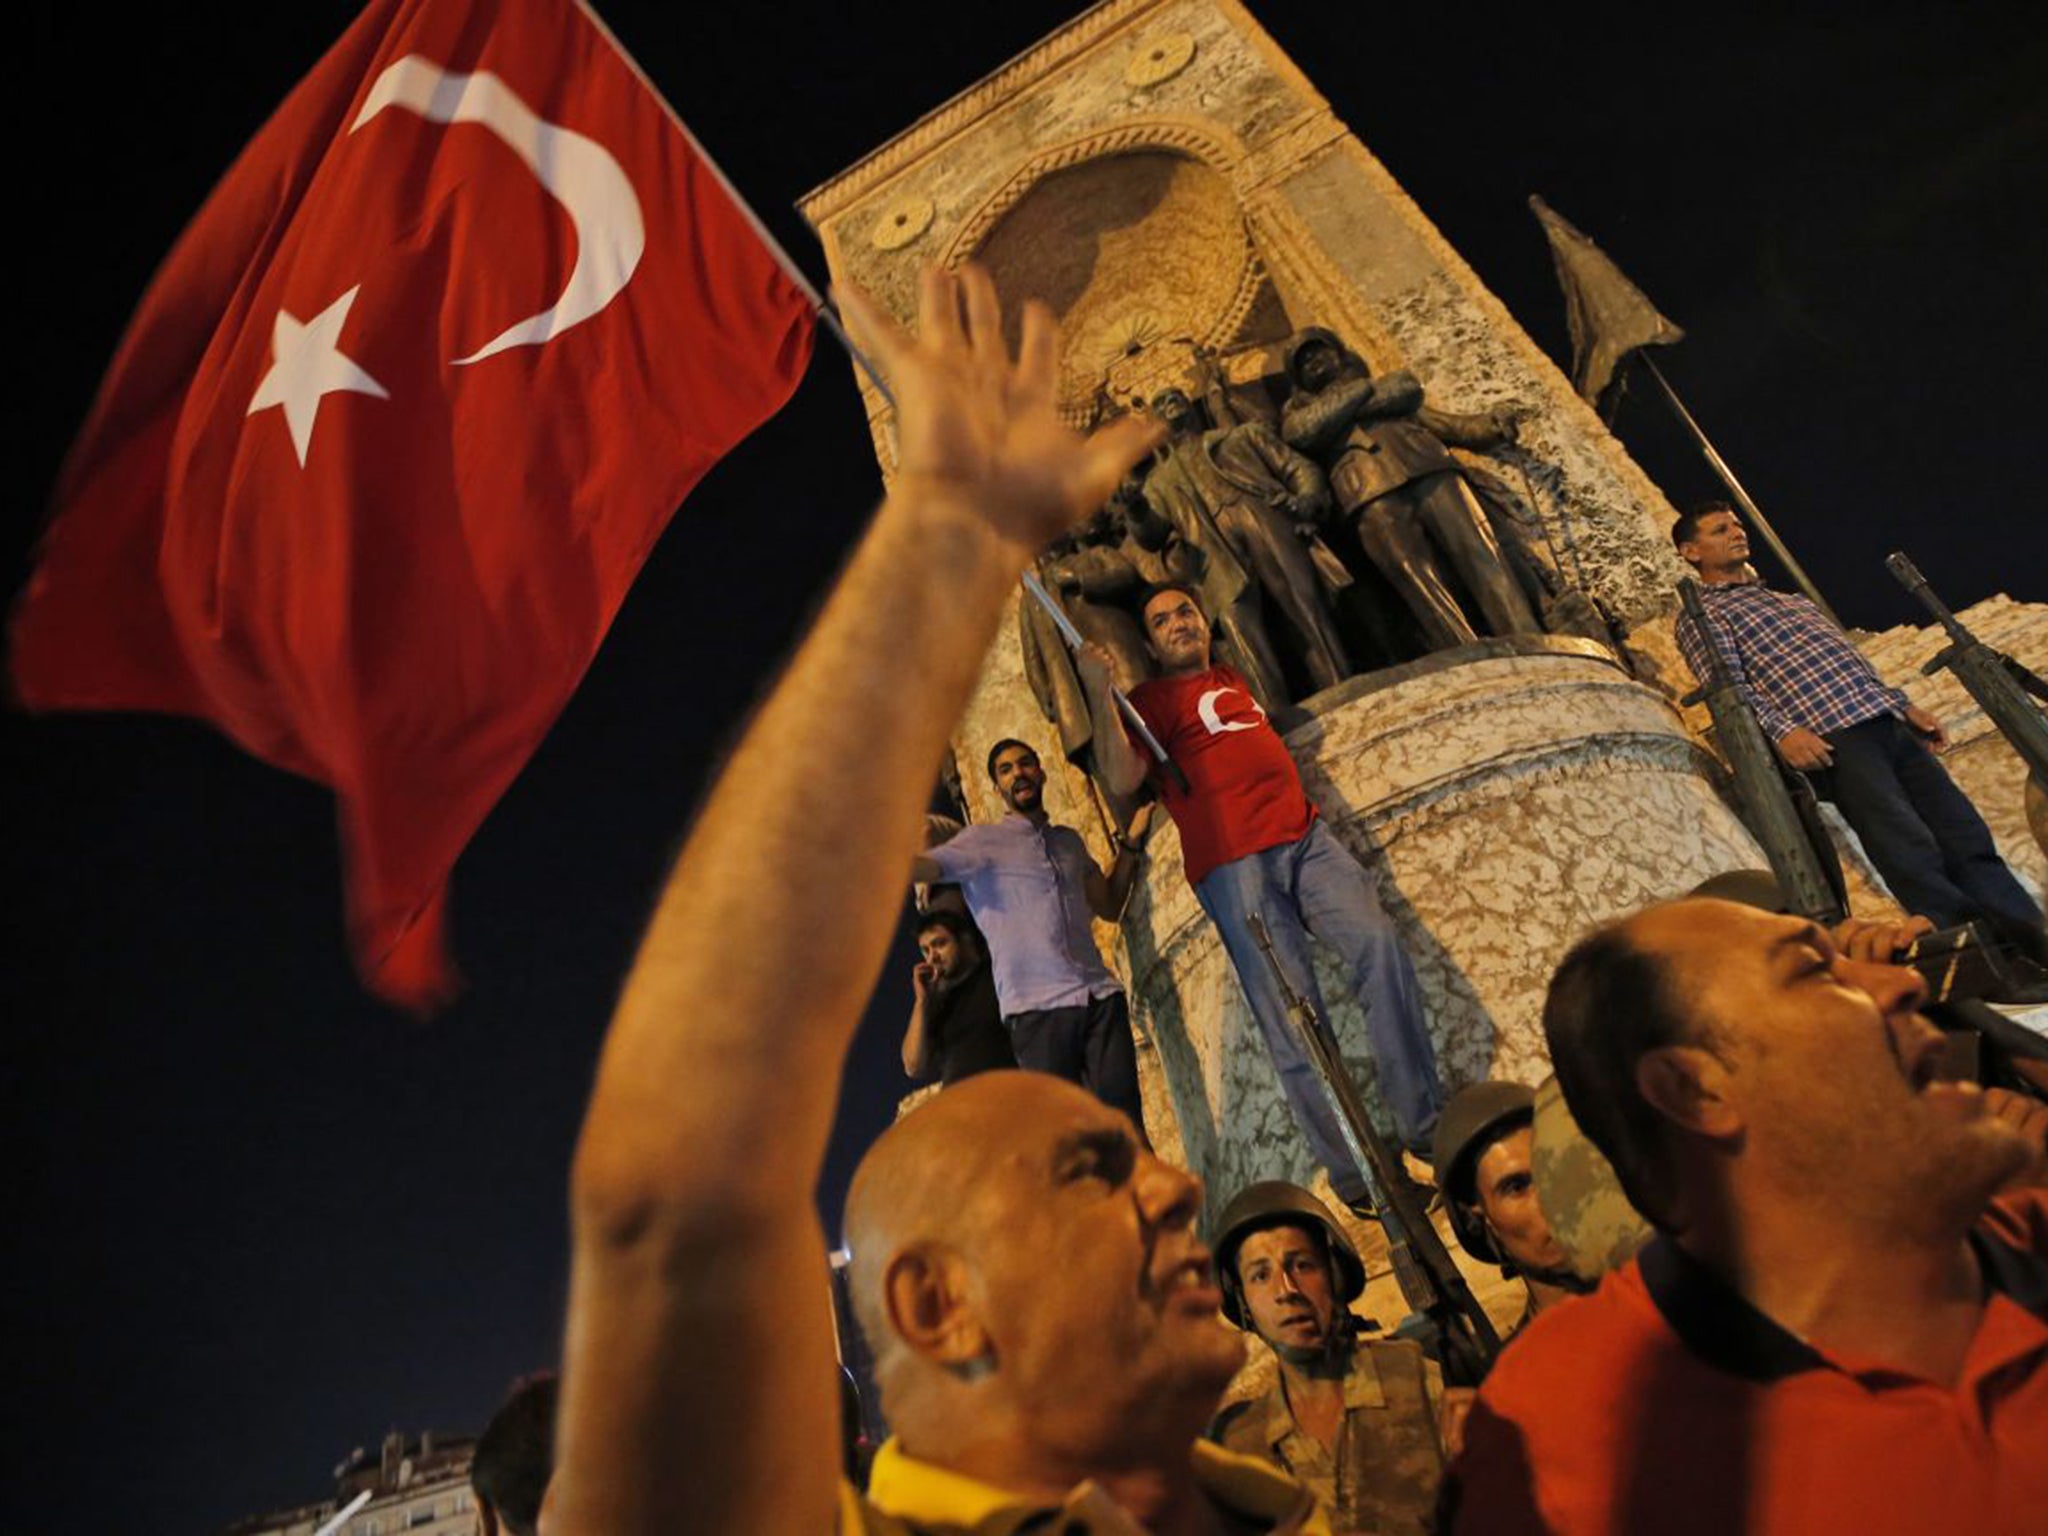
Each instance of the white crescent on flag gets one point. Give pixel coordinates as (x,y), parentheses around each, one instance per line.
(579,172)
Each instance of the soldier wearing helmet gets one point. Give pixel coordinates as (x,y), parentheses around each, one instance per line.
(1484,1166)
(1353,1417)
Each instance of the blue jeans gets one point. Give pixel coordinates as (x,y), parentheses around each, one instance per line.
(1921,832)
(1315,886)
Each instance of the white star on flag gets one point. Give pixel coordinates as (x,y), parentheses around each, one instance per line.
(307,364)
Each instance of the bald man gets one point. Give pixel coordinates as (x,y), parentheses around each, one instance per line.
(1046,1322)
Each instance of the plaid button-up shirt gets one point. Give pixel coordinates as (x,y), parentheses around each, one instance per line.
(1796,669)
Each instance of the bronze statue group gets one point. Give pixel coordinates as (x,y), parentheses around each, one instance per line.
(1838,1316)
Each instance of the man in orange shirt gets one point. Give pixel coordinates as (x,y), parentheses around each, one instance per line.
(1842,1324)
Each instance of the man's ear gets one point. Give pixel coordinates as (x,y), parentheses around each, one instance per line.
(1689,552)
(928,1297)
(1690,1087)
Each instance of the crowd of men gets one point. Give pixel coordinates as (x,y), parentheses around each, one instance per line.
(1839,1319)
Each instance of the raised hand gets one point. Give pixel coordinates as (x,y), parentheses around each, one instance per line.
(1879,940)
(1094,664)
(975,426)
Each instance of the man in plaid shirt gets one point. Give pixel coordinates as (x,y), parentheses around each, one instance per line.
(1864,742)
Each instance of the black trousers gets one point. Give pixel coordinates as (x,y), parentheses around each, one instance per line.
(1921,832)
(1088,1044)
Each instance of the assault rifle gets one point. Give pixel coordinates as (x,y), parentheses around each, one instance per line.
(1779,805)
(1999,684)
(1464,1336)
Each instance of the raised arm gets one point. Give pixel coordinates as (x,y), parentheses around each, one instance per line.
(917,1034)
(1118,762)
(1107,893)
(1315,421)
(698,1379)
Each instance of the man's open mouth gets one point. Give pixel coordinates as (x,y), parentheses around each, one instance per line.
(1924,1072)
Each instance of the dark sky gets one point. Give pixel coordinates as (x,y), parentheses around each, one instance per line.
(257,1218)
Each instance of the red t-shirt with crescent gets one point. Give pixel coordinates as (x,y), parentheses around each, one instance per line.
(1244,792)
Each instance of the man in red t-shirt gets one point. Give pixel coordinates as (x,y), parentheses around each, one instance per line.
(1253,844)
(1842,1324)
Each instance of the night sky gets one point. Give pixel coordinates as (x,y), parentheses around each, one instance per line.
(257,1218)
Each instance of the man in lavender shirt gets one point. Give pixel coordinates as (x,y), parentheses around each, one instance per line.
(1033,888)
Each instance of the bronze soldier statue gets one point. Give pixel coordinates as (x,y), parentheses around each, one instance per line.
(1095,575)
(1240,492)
(1229,594)
(1391,471)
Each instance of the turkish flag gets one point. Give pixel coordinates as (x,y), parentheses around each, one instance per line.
(397,423)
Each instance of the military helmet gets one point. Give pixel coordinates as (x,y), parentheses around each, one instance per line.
(1276,1203)
(1302,340)
(1579,1191)
(1476,1115)
(1757,888)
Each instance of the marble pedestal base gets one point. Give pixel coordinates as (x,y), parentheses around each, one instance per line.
(1506,797)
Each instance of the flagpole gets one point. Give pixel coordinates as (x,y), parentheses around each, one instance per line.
(1750,509)
(826,313)
(783,259)
(830,317)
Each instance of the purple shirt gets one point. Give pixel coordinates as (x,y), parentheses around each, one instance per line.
(1027,888)
(1794,667)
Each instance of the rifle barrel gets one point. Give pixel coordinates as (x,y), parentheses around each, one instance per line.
(1908,576)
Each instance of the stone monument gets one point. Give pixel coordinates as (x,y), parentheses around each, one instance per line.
(1163,176)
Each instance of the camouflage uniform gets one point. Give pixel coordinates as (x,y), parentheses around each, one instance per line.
(1381,1477)
(1580,1194)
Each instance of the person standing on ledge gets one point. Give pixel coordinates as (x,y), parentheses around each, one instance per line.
(1033,889)
(956,1026)
(1254,846)
(1865,744)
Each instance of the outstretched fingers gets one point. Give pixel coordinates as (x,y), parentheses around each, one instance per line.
(874,332)
(984,323)
(938,310)
(1109,453)
(1038,357)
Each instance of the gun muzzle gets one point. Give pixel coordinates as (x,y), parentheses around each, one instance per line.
(1907,573)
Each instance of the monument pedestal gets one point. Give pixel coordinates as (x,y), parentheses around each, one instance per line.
(1506,796)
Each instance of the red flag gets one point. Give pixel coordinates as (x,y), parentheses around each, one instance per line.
(397,423)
